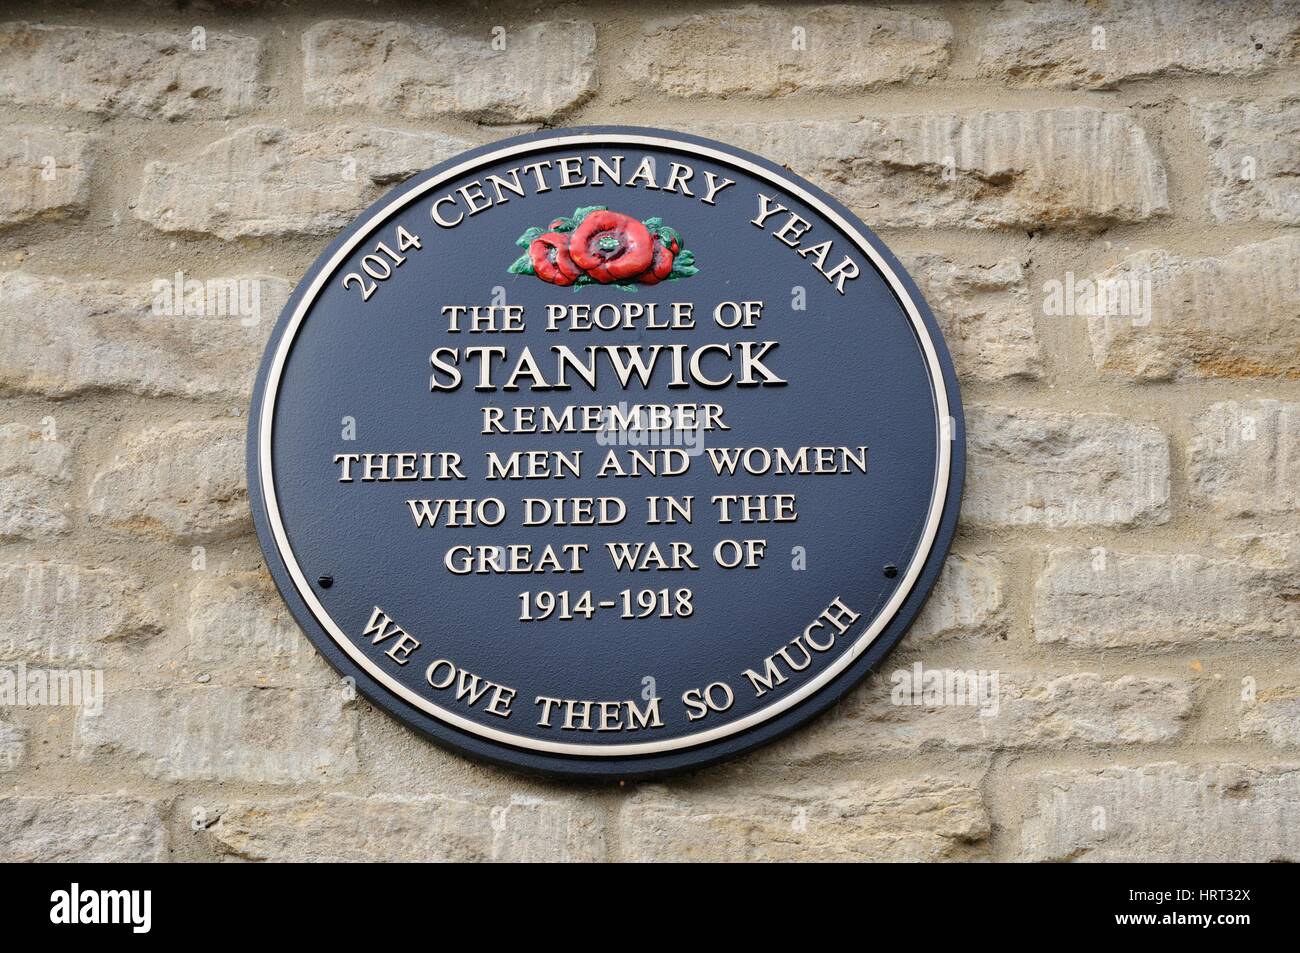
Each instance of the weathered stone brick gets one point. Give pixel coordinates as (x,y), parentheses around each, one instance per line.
(35,476)
(395,759)
(1244,457)
(59,611)
(185,481)
(68,828)
(62,338)
(1056,470)
(913,819)
(967,600)
(985,315)
(893,714)
(761,52)
(216,733)
(1098,46)
(1225,813)
(44,173)
(424,828)
(1255,159)
(1264,548)
(266,181)
(1235,316)
(543,69)
(1079,167)
(1100,598)
(1273,715)
(141,75)
(13,746)
(239,620)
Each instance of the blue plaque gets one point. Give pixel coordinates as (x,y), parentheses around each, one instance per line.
(605,452)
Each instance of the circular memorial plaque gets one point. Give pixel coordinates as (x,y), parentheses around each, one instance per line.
(605,451)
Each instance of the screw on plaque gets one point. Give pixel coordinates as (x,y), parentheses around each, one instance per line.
(326,581)
(891,571)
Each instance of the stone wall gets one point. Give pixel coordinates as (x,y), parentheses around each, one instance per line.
(1127,563)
